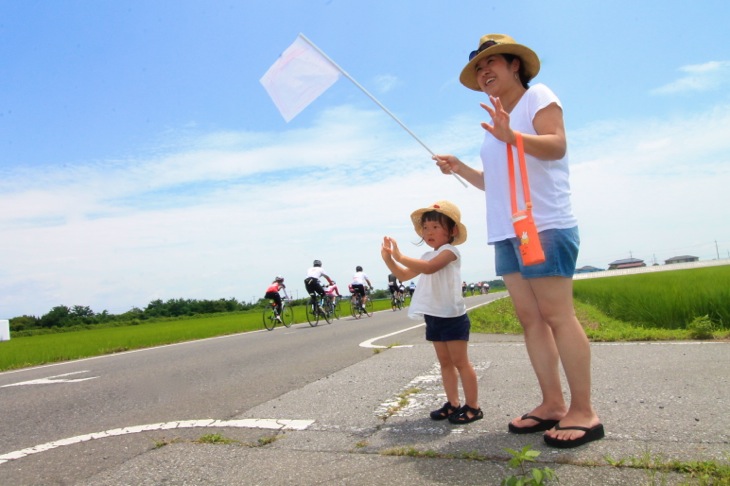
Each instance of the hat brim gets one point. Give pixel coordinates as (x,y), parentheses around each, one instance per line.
(528,57)
(418,214)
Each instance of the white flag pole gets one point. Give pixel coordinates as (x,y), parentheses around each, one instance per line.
(344,73)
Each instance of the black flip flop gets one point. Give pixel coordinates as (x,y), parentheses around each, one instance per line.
(541,425)
(593,433)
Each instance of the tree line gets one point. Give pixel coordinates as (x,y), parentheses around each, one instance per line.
(64,318)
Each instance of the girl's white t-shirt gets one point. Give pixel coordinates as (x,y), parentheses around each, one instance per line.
(439,294)
(549,184)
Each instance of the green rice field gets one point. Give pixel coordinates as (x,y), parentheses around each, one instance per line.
(681,304)
(21,352)
(667,300)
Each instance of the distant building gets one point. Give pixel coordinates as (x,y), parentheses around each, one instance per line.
(626,263)
(681,259)
(588,269)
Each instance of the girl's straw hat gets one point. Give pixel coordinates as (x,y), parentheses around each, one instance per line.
(446,208)
(491,44)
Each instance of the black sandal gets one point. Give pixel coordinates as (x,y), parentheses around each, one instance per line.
(462,417)
(445,412)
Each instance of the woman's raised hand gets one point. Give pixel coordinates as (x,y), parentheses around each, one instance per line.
(499,128)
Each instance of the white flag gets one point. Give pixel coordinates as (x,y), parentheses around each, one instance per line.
(298,77)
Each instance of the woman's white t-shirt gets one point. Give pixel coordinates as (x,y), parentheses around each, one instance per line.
(549,185)
(439,294)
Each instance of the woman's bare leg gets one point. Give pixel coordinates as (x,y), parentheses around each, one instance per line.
(541,349)
(555,301)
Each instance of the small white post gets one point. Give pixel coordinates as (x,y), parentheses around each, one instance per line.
(4,330)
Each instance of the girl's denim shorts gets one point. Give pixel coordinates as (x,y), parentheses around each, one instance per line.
(561,254)
(447,328)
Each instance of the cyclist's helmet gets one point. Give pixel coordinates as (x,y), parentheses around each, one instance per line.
(279,278)
(317,263)
(358,268)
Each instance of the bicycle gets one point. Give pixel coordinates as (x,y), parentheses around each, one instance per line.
(396,301)
(272,316)
(316,308)
(404,298)
(403,295)
(357,309)
(332,306)
(408,296)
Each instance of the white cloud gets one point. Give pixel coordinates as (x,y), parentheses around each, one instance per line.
(386,82)
(653,188)
(232,210)
(210,223)
(698,77)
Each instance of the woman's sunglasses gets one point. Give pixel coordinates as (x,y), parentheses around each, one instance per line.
(486,45)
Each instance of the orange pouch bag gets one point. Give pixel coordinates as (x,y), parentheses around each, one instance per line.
(525,229)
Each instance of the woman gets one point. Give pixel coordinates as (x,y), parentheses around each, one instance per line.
(542,294)
(272,292)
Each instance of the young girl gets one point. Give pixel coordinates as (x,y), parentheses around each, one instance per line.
(439,302)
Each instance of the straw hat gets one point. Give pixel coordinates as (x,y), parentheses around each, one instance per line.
(446,208)
(491,44)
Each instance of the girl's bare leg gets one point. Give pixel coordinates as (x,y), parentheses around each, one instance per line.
(449,373)
(458,350)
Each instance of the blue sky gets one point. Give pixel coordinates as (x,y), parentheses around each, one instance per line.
(140,157)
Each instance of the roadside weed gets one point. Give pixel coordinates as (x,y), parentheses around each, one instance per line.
(527,476)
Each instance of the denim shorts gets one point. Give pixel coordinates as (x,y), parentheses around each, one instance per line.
(561,254)
(447,328)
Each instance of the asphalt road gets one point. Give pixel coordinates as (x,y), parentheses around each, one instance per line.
(316,405)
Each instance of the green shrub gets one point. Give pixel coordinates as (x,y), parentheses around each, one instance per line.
(701,328)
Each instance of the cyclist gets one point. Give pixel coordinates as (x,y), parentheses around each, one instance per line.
(395,289)
(311,283)
(358,284)
(411,288)
(332,292)
(272,292)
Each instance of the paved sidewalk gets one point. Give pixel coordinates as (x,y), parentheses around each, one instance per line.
(658,402)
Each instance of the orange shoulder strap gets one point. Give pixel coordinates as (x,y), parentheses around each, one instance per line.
(523,173)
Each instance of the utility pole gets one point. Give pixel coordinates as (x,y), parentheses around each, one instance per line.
(717,251)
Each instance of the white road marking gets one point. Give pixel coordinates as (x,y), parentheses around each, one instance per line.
(424,392)
(369,342)
(53,380)
(273,424)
